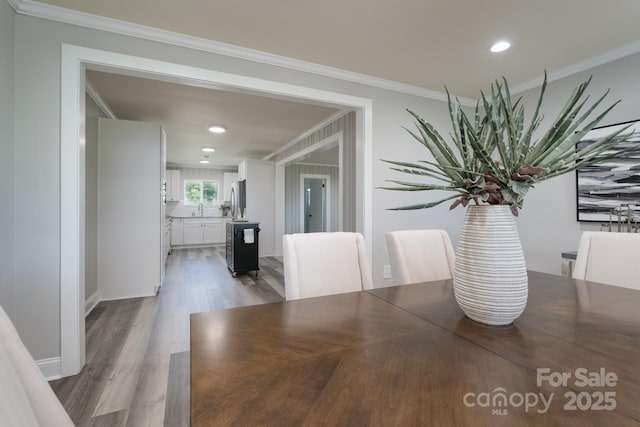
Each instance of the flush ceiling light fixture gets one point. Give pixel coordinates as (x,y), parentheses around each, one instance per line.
(217,129)
(208,149)
(204,162)
(500,46)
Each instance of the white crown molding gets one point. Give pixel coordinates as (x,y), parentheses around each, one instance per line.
(15,4)
(55,13)
(594,61)
(324,165)
(93,94)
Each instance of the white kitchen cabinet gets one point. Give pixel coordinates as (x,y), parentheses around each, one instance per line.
(202,231)
(212,231)
(260,201)
(174,186)
(229,179)
(177,232)
(242,170)
(192,231)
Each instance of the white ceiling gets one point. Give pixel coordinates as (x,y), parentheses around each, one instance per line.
(256,125)
(426,44)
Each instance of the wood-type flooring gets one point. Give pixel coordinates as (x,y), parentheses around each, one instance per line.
(137,371)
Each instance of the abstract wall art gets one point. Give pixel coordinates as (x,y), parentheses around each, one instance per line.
(605,186)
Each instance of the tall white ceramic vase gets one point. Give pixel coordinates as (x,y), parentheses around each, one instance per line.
(490,281)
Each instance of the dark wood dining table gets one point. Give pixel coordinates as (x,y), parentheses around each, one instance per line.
(408,356)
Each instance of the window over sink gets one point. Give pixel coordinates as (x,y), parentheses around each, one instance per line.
(201,191)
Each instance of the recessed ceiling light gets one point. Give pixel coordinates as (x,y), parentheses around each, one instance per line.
(216,129)
(500,46)
(204,162)
(208,149)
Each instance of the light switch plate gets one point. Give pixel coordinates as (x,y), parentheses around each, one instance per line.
(386,272)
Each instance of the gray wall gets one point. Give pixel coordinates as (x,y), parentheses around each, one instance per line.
(93,112)
(346,124)
(7,282)
(37,148)
(292,194)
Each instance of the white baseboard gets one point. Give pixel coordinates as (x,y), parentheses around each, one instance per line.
(91,303)
(129,296)
(196,246)
(50,368)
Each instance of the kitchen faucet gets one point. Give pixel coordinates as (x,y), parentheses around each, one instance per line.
(200,209)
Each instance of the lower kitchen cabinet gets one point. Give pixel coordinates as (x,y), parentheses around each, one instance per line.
(192,232)
(212,231)
(199,231)
(177,231)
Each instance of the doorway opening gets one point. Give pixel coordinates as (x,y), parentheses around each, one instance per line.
(315,208)
(75,60)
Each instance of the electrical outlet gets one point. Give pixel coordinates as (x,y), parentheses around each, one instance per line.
(386,272)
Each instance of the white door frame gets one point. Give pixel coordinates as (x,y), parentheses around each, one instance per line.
(74,61)
(327,195)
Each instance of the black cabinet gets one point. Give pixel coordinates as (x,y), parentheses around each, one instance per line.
(242,246)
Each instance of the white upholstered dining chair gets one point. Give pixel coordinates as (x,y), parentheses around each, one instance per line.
(317,264)
(26,399)
(609,258)
(420,256)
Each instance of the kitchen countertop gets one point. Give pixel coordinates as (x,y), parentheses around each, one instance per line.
(196,217)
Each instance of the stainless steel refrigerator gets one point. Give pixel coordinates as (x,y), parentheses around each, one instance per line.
(238,199)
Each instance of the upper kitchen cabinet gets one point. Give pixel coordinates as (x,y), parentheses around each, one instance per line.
(174,186)
(131,224)
(242,170)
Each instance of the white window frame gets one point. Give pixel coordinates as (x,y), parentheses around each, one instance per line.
(186,201)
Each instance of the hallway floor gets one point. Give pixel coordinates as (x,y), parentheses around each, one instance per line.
(137,371)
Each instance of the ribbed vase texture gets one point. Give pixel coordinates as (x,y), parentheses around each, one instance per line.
(490,279)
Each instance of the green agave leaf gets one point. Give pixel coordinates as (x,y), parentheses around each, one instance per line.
(568,140)
(437,171)
(525,142)
(591,151)
(424,205)
(513,198)
(434,148)
(422,173)
(584,162)
(519,187)
(410,186)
